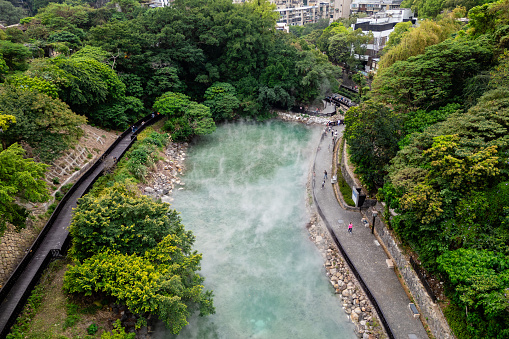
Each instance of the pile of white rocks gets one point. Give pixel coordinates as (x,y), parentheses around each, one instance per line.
(166,179)
(355,303)
(304,118)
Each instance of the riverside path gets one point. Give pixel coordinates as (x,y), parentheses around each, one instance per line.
(365,253)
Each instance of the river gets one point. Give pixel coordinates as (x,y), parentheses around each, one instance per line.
(245,201)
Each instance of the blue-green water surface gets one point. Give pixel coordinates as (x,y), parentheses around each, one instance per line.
(244,200)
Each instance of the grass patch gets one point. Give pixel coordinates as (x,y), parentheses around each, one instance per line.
(73,315)
(52,314)
(33,305)
(457,321)
(345,190)
(65,188)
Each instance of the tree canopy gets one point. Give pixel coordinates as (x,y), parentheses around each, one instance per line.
(20,178)
(45,123)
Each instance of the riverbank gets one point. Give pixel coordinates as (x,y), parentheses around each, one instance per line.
(355,303)
(165,178)
(307,119)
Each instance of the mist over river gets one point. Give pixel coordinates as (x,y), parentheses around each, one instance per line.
(245,201)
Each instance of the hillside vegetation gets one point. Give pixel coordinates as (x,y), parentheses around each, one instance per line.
(432,138)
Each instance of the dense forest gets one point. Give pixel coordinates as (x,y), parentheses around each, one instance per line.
(429,137)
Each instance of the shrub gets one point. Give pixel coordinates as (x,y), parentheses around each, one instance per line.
(92,329)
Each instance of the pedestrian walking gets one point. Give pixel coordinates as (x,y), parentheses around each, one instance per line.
(323,184)
(350,227)
(325,175)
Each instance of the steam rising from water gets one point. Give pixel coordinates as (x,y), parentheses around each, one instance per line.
(245,202)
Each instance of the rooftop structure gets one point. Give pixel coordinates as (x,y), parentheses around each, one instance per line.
(381,25)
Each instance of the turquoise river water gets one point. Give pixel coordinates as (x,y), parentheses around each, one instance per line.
(245,201)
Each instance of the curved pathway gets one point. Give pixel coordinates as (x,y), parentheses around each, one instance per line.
(364,251)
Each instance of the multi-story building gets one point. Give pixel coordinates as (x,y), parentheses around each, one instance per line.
(381,25)
(304,14)
(371,7)
(340,9)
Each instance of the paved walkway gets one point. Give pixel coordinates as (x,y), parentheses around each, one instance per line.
(364,252)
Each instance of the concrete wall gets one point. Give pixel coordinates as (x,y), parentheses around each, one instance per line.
(350,177)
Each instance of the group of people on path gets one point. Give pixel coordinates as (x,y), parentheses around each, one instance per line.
(350,226)
(334,134)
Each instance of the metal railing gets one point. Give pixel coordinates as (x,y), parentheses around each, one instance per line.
(423,280)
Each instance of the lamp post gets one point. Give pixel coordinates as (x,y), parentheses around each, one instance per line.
(375,213)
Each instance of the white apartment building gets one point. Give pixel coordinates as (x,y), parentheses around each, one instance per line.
(304,14)
(371,7)
(381,25)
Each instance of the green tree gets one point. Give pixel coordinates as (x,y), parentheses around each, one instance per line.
(222,100)
(162,282)
(345,44)
(318,75)
(119,113)
(4,69)
(15,55)
(63,16)
(118,332)
(10,14)
(121,220)
(372,133)
(34,84)
(397,34)
(63,36)
(5,121)
(488,17)
(481,280)
(185,117)
(88,83)
(407,41)
(21,179)
(434,78)
(45,123)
